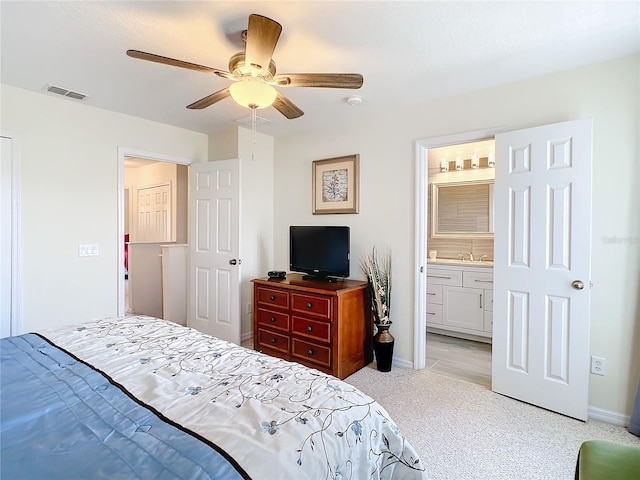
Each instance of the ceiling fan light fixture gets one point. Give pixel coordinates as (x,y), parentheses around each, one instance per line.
(252,92)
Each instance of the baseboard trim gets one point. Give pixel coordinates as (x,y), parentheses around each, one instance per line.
(608,416)
(246,336)
(402,363)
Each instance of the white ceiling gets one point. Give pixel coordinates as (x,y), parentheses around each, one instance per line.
(409,52)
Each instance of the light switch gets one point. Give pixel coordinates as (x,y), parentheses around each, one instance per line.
(90,250)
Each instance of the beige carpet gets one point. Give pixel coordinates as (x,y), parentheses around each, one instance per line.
(464,431)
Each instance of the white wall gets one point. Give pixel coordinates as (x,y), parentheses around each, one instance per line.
(70,196)
(606,92)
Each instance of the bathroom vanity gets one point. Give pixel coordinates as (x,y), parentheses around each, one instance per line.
(460,298)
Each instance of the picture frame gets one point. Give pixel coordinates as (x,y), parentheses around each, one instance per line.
(336,185)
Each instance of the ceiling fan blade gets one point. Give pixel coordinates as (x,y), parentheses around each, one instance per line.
(286,107)
(210,99)
(324,80)
(178,63)
(262,37)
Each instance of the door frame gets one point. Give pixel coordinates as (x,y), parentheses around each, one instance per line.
(16,233)
(420,229)
(132,152)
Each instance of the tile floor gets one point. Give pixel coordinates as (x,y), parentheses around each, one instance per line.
(459,358)
(452,357)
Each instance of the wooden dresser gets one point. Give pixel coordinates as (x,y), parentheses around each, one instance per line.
(326,326)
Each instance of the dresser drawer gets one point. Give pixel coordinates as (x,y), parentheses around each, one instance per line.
(276,298)
(273,319)
(477,279)
(434,314)
(442,276)
(315,305)
(314,329)
(310,352)
(434,293)
(273,340)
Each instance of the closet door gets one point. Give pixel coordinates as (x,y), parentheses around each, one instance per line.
(154,214)
(6,218)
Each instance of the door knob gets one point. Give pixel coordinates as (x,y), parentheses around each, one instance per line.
(577,284)
(233,261)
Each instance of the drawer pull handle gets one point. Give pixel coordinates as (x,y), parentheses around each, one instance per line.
(309,352)
(309,328)
(309,305)
(272,319)
(430,293)
(483,281)
(438,276)
(273,340)
(480,301)
(431,313)
(272,298)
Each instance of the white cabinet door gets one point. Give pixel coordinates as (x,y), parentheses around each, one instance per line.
(542,250)
(463,308)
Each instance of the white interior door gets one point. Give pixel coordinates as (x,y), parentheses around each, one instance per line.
(154,214)
(542,266)
(6,222)
(214,240)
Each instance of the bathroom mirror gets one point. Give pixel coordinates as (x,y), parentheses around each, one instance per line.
(462,209)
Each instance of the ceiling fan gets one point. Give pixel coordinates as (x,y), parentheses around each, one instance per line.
(253,72)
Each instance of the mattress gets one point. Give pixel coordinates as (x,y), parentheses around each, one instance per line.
(140,397)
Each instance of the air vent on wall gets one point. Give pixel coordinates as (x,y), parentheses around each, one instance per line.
(65,92)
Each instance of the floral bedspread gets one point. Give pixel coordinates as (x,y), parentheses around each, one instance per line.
(277,419)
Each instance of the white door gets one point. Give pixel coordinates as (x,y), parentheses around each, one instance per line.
(154,214)
(6,222)
(542,266)
(214,239)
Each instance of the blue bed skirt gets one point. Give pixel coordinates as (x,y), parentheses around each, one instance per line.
(61,418)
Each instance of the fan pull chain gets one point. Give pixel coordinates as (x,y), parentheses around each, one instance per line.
(254,121)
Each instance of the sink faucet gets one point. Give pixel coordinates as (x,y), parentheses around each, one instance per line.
(482,257)
(470,256)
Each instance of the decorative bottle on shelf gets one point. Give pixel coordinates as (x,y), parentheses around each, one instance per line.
(383,347)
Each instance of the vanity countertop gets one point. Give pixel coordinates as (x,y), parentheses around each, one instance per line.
(462,263)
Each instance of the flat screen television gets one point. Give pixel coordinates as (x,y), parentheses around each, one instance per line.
(322,252)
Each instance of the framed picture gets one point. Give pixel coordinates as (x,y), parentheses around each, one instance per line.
(335,185)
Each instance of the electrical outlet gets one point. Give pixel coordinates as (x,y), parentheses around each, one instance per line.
(249,310)
(598,365)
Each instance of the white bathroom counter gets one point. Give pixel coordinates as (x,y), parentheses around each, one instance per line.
(462,263)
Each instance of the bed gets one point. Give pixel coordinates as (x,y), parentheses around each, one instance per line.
(140,397)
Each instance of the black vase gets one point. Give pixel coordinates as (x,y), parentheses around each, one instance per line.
(383,347)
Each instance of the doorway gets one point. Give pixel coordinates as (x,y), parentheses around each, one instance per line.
(460,260)
(542,264)
(422,222)
(127,215)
